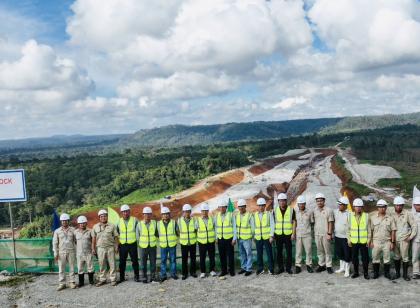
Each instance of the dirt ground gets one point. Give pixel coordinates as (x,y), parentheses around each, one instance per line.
(302,290)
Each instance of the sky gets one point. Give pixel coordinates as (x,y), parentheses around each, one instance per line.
(116,66)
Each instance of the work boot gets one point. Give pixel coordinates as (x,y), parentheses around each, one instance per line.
(61,287)
(248,273)
(136,278)
(366,275)
(297,269)
(342,268)
(91,278)
(355,272)
(122,277)
(346,269)
(375,270)
(387,268)
(242,271)
(405,271)
(81,280)
(321,269)
(366,271)
(73,285)
(397,264)
(330,270)
(309,269)
(416,276)
(100,283)
(145,279)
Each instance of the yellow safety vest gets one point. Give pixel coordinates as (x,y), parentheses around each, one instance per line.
(205,234)
(167,235)
(187,234)
(284,224)
(359,231)
(243,227)
(262,227)
(127,233)
(148,235)
(225,227)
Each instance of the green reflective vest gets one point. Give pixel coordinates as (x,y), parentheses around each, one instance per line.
(243,227)
(284,224)
(206,234)
(187,234)
(167,234)
(127,233)
(225,226)
(359,231)
(147,235)
(262,226)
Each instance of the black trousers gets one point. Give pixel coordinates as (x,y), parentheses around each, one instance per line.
(190,250)
(207,249)
(124,251)
(364,251)
(226,255)
(261,244)
(148,253)
(286,241)
(342,249)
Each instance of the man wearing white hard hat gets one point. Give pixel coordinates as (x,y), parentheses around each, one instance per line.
(84,251)
(244,231)
(105,246)
(188,241)
(358,237)
(416,240)
(406,231)
(226,239)
(304,222)
(284,232)
(168,238)
(148,234)
(383,230)
(64,247)
(127,226)
(206,237)
(264,236)
(323,228)
(342,249)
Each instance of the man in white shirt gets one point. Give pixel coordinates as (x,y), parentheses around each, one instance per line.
(342,249)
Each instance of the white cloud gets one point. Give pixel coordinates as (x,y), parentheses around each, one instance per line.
(289,102)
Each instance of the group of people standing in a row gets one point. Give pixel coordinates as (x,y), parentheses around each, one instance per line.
(353,233)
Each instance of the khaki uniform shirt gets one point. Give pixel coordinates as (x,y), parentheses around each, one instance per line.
(304,220)
(406,226)
(105,234)
(64,240)
(381,227)
(84,242)
(417,220)
(322,218)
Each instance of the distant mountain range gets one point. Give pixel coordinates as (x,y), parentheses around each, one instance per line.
(180,135)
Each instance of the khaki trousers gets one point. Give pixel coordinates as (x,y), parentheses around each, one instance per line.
(383,247)
(323,250)
(106,256)
(86,260)
(65,258)
(416,257)
(401,251)
(303,243)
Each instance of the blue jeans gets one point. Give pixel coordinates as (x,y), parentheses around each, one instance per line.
(245,252)
(164,252)
(268,249)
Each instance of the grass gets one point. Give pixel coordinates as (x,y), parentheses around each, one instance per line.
(410,176)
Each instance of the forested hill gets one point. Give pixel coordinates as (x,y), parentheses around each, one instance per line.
(176,135)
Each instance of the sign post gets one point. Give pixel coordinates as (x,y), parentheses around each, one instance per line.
(12,189)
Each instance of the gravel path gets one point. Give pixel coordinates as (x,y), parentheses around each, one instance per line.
(303,290)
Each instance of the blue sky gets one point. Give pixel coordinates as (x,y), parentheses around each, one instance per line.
(71,67)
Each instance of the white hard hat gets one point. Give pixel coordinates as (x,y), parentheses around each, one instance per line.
(124,207)
(165,210)
(102,212)
(282,196)
(261,201)
(64,216)
(416,200)
(358,202)
(147,210)
(223,204)
(301,199)
(343,200)
(186,207)
(241,202)
(81,219)
(398,200)
(205,207)
(381,203)
(319,196)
